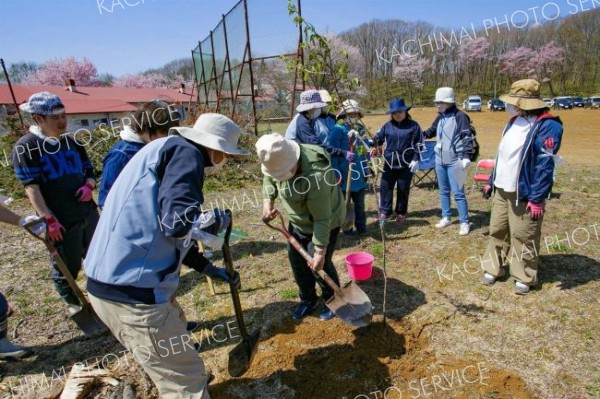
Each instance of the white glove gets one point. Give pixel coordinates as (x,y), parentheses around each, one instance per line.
(209,240)
(414,166)
(465,163)
(38,228)
(353,133)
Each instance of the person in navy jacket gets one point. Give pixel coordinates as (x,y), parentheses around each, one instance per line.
(520,183)
(151,122)
(403,139)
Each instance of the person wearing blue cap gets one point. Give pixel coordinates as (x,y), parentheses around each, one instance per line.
(59,179)
(402,137)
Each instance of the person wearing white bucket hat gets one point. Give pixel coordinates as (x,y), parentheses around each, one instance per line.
(302,177)
(151,213)
(452,128)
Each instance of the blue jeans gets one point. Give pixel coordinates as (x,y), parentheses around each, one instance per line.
(447,184)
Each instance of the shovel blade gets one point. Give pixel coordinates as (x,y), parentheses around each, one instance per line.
(353,306)
(87,320)
(349,221)
(241,355)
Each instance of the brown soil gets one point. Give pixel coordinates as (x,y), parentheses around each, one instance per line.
(332,360)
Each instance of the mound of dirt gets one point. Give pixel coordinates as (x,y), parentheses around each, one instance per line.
(331,360)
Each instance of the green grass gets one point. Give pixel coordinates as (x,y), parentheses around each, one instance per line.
(289,293)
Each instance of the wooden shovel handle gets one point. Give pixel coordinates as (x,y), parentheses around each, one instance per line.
(292,240)
(59,262)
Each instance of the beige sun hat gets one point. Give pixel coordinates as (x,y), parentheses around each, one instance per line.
(277,156)
(214,131)
(325,96)
(350,107)
(525,94)
(445,95)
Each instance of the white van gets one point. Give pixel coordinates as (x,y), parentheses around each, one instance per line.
(473,103)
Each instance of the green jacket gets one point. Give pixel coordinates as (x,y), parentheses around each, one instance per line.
(312,199)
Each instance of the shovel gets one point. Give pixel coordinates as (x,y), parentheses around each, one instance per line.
(349,221)
(86,319)
(241,355)
(349,303)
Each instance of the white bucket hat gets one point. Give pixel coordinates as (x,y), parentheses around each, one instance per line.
(214,131)
(277,156)
(350,107)
(445,95)
(325,96)
(310,99)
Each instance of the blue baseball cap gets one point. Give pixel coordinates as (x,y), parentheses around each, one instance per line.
(43,103)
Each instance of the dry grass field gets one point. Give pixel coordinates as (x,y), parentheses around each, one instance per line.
(447,336)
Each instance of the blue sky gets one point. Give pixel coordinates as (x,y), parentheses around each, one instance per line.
(129,36)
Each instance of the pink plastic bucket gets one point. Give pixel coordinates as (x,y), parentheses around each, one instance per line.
(359,265)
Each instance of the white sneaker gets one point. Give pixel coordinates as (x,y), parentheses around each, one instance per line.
(444,222)
(465,228)
(488,279)
(521,289)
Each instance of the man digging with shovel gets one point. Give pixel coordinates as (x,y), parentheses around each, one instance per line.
(151,215)
(301,175)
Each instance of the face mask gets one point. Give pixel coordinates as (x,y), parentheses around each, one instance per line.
(511,110)
(351,121)
(314,114)
(217,167)
(443,108)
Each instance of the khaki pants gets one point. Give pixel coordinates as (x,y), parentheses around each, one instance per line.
(511,220)
(156,336)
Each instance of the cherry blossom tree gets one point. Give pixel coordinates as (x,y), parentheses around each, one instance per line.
(410,71)
(54,72)
(154,80)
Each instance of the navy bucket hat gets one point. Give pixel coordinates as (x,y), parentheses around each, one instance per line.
(397,105)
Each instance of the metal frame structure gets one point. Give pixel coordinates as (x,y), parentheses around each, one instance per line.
(217,89)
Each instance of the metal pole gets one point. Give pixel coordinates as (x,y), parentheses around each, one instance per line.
(233,99)
(214,64)
(249,48)
(203,79)
(12,93)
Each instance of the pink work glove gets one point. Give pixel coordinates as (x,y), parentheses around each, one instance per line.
(84,194)
(536,210)
(55,229)
(549,143)
(375,151)
(487,191)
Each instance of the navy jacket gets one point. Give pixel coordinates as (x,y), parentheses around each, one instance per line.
(114,162)
(536,166)
(453,131)
(403,141)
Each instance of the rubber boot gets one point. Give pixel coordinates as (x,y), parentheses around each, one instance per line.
(9,351)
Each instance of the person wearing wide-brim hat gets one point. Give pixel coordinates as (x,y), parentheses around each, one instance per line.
(302,128)
(300,175)
(150,216)
(403,138)
(520,183)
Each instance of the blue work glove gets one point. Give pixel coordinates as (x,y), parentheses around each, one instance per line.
(349,156)
(220,273)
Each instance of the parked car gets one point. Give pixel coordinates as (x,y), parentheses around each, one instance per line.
(549,102)
(593,102)
(497,105)
(473,103)
(563,103)
(578,102)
